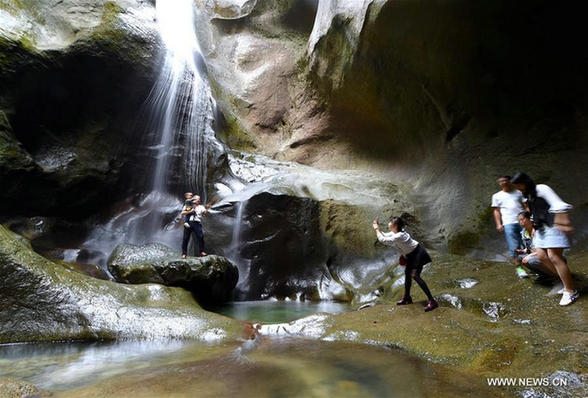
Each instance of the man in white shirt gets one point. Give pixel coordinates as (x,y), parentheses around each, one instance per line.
(508,204)
(193,213)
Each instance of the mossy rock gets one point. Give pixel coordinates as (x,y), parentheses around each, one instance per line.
(13,157)
(43,301)
(15,388)
(490,322)
(210,279)
(462,242)
(347,227)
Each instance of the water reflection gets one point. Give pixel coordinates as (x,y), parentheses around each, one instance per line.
(68,365)
(272,311)
(265,367)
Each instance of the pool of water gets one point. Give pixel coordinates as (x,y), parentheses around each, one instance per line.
(278,311)
(265,367)
(73,364)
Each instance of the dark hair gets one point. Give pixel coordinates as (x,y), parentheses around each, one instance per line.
(525,214)
(505,176)
(400,223)
(530,190)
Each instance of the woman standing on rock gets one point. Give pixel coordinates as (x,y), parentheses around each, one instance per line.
(415,258)
(551,223)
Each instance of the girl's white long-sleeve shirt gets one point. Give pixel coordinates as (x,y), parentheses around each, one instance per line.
(402,240)
(556,204)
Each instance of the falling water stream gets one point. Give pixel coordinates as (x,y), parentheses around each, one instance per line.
(180,108)
(234,252)
(181,100)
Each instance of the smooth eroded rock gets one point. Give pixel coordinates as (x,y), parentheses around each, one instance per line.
(74,77)
(502,326)
(43,301)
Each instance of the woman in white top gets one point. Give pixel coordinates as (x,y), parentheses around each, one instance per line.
(415,257)
(551,223)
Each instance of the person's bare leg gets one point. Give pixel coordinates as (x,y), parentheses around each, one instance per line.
(544,258)
(556,258)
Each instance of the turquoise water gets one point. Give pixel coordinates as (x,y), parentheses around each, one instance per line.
(278,311)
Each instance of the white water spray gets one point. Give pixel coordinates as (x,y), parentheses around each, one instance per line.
(180,123)
(234,253)
(236,236)
(181,101)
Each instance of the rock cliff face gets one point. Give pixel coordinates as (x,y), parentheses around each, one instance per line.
(300,232)
(444,95)
(427,101)
(73,79)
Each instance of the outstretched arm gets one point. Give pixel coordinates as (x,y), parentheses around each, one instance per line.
(382,237)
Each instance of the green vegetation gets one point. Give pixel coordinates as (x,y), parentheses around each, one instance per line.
(236,136)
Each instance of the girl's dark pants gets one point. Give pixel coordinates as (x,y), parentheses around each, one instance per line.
(196,228)
(415,260)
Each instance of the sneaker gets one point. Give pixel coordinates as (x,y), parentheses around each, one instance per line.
(183,256)
(568,298)
(405,300)
(521,273)
(431,305)
(203,254)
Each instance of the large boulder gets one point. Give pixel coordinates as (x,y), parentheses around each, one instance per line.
(297,231)
(211,279)
(43,301)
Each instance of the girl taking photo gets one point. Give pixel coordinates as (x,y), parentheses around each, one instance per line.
(415,257)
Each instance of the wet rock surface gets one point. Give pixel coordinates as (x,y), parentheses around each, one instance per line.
(298,231)
(290,367)
(15,388)
(73,81)
(503,326)
(211,278)
(43,301)
(383,85)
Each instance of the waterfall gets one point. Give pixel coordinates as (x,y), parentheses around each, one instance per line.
(235,239)
(180,111)
(234,252)
(181,103)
